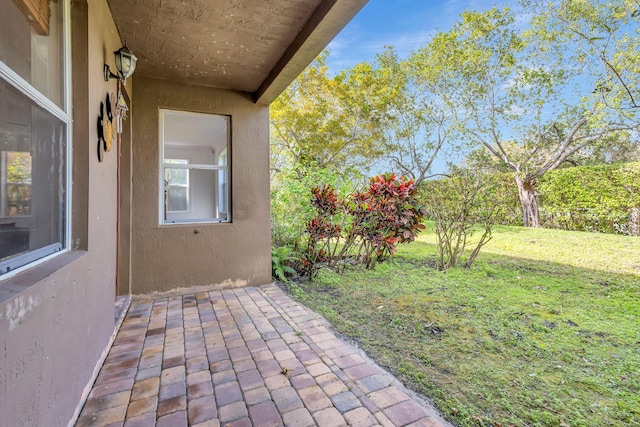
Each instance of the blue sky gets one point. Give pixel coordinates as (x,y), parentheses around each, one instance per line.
(404,24)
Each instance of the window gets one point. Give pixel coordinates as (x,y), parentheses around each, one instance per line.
(195,167)
(34,123)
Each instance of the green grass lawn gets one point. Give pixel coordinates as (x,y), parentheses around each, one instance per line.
(544,330)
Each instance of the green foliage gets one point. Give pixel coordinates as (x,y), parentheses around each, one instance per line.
(290,208)
(18,167)
(457,205)
(604,39)
(510,212)
(599,198)
(591,198)
(417,127)
(18,183)
(363,228)
(370,113)
(333,122)
(281,258)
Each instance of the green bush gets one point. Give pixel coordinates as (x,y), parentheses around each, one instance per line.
(600,198)
(591,198)
(504,184)
(290,207)
(457,205)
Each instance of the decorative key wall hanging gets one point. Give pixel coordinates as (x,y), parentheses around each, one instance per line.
(112,111)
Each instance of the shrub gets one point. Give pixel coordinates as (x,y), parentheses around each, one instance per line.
(290,208)
(365,227)
(458,204)
(598,198)
(510,212)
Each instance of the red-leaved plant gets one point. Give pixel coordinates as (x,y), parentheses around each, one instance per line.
(364,228)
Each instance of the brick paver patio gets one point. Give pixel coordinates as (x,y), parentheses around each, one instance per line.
(241,357)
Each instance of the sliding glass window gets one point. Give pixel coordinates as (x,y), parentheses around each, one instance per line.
(194,167)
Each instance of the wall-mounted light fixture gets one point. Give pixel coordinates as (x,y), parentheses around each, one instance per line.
(125,63)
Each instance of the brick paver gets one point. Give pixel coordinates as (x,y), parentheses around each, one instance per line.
(241,357)
(265,414)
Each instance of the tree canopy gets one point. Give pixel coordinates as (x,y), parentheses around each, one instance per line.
(528,92)
(331,121)
(554,84)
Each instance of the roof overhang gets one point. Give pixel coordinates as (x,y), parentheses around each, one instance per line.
(254,46)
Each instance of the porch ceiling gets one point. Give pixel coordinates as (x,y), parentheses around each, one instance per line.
(255,46)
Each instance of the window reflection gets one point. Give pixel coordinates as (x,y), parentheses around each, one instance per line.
(16,183)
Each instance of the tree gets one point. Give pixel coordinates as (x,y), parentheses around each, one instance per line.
(296,115)
(601,33)
(331,122)
(418,135)
(416,128)
(524,96)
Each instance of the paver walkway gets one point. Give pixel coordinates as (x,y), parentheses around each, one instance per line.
(241,357)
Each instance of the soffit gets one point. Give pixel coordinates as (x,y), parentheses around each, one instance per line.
(255,46)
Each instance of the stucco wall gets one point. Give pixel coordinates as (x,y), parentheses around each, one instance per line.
(165,257)
(55,328)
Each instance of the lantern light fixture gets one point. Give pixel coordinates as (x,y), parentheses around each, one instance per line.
(125,63)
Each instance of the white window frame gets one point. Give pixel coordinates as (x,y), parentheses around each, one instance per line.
(64,114)
(162,165)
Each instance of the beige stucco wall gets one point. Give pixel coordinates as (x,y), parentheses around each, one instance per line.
(166,257)
(55,328)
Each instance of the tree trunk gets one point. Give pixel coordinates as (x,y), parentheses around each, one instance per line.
(528,201)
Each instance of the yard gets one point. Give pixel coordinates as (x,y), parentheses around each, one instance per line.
(544,330)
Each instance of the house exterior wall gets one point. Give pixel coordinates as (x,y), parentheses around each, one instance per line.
(57,318)
(168,257)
